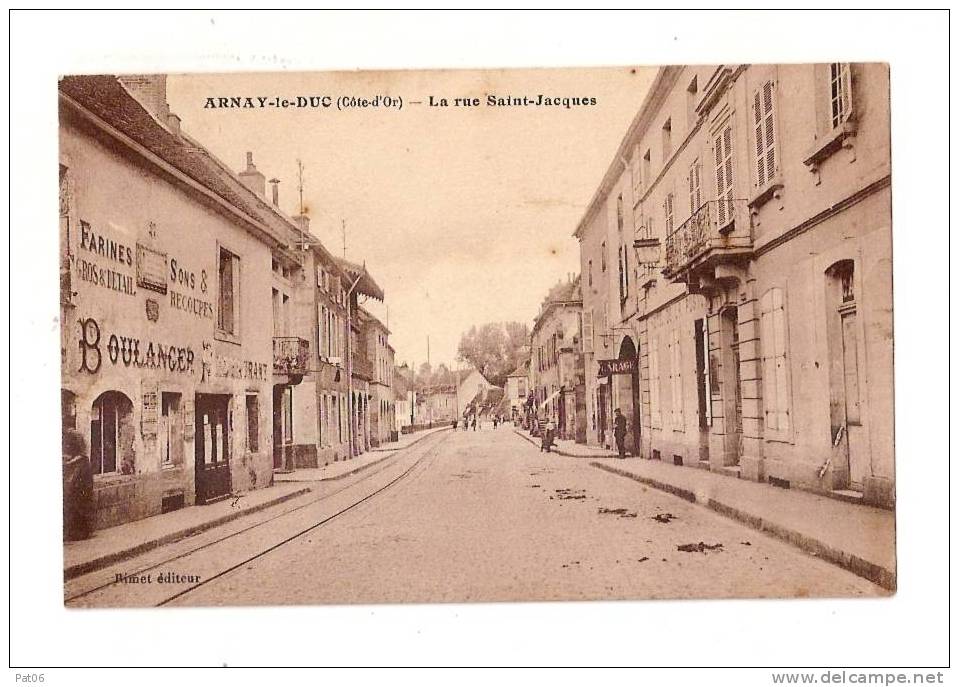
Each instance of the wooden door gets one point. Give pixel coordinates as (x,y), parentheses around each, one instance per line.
(212,447)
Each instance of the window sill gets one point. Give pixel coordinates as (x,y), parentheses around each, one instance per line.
(111,478)
(829,144)
(221,335)
(772,189)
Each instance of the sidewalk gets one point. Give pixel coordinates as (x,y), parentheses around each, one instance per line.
(112,544)
(859,538)
(565,447)
(361,462)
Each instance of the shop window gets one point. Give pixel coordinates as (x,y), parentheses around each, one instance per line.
(111,434)
(253,422)
(228,298)
(170,431)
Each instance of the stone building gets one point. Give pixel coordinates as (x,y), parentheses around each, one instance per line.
(167,349)
(361,368)
(738,286)
(517,388)
(556,360)
(374,338)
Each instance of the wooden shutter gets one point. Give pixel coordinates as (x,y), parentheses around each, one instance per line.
(588,331)
(765,132)
(723,146)
(695,188)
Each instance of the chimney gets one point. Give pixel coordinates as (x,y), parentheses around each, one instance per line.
(150,91)
(275,183)
(173,123)
(252,179)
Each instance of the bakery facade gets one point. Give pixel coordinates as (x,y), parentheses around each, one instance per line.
(166,347)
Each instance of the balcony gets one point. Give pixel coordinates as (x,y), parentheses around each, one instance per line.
(719,231)
(291,356)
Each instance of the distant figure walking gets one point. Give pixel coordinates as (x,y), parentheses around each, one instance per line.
(474,422)
(619,431)
(454,423)
(549,433)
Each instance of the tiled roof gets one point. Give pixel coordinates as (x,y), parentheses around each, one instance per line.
(104,97)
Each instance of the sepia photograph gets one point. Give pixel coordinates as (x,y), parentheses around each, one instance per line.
(377,339)
(499,335)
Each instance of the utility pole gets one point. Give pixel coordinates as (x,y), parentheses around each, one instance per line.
(430,368)
(299,167)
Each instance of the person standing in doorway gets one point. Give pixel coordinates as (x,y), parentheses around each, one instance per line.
(619,432)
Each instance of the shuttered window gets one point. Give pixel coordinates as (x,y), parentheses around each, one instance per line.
(840,92)
(655,411)
(695,188)
(588,331)
(775,369)
(676,364)
(668,213)
(723,149)
(764,128)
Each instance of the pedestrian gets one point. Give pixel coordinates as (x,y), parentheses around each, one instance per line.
(549,432)
(454,423)
(474,422)
(619,431)
(79,506)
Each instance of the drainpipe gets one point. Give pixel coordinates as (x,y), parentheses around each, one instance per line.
(349,361)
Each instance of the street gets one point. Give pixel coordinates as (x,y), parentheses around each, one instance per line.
(470,516)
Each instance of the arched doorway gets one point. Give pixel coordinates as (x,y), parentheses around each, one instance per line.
(626,394)
(111,434)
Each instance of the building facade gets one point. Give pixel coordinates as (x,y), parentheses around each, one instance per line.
(738,288)
(556,372)
(167,349)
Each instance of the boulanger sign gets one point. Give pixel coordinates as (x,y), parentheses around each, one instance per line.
(616,367)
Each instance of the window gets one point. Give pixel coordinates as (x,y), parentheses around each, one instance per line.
(668,213)
(111,434)
(655,411)
(228,310)
(647,168)
(252,423)
(169,431)
(692,92)
(588,331)
(635,173)
(521,387)
(723,149)
(626,269)
(622,278)
(840,93)
(764,128)
(619,213)
(603,255)
(667,140)
(775,371)
(589,272)
(695,188)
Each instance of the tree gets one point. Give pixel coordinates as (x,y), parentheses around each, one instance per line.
(495,349)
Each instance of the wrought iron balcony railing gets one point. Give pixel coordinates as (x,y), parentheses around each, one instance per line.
(291,355)
(717,226)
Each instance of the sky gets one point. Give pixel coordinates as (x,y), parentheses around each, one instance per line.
(464,215)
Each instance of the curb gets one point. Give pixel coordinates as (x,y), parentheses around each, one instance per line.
(873,572)
(389,451)
(78,569)
(560,452)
